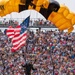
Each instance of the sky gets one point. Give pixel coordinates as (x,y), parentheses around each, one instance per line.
(69,3)
(34,14)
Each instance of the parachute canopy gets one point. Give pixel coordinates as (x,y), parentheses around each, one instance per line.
(60,16)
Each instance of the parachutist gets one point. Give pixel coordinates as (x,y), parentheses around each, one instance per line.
(28,67)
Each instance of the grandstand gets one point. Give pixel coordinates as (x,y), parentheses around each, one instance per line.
(34,23)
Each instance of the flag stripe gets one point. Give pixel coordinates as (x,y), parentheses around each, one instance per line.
(19,46)
(19,40)
(10,32)
(19,37)
(17,31)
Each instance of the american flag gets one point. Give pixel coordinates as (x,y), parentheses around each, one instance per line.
(19,35)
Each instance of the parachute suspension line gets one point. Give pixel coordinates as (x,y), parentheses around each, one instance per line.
(30,17)
(36,16)
(10,18)
(30,13)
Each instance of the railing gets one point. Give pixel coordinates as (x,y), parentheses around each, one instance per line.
(30,26)
(34,23)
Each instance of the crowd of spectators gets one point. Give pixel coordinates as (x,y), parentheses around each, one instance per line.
(5,23)
(40,22)
(33,22)
(49,51)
